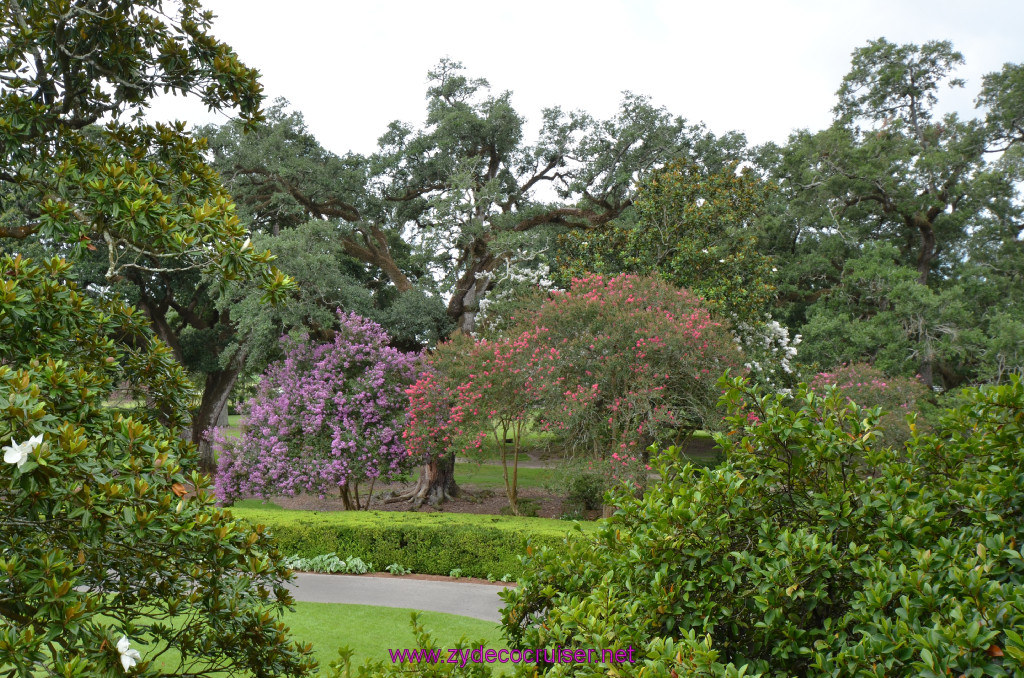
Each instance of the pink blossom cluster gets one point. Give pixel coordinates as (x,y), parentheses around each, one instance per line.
(324,417)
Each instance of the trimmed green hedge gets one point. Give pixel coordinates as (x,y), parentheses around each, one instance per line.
(426,543)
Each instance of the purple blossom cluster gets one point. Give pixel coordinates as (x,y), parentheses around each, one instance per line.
(326,417)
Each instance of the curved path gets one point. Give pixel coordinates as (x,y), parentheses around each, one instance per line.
(470,600)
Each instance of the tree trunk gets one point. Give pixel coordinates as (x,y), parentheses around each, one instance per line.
(927,252)
(436,483)
(213,412)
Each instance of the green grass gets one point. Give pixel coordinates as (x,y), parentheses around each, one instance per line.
(234,428)
(370,631)
(490,476)
(531,441)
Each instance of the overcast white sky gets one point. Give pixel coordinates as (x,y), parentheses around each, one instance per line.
(763,68)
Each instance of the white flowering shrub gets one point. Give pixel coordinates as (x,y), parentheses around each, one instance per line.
(769,352)
(519,279)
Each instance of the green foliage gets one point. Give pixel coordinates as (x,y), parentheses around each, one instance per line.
(98,537)
(813,550)
(695,228)
(585,489)
(467,177)
(142,192)
(397,569)
(101,541)
(1003,95)
(426,543)
(135,203)
(870,387)
(879,309)
(524,507)
(897,229)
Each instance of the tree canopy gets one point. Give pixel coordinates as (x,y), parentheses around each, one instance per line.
(896,226)
(464,194)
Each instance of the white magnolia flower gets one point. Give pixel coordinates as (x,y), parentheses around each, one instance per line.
(128,657)
(18,454)
(247,244)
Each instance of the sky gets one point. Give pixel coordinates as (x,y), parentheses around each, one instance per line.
(761,68)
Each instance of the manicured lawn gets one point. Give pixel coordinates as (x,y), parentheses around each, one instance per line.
(490,476)
(532,441)
(370,631)
(234,426)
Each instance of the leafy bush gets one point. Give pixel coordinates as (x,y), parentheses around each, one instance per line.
(813,551)
(584,487)
(870,387)
(325,418)
(426,543)
(99,538)
(397,569)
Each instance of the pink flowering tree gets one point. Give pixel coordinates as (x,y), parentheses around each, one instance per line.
(869,387)
(613,365)
(636,362)
(479,388)
(431,425)
(325,419)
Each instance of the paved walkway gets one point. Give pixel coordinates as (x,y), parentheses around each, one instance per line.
(470,600)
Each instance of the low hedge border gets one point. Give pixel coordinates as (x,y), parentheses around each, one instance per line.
(426,543)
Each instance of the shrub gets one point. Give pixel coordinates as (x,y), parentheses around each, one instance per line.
(586,490)
(325,418)
(813,550)
(99,538)
(870,387)
(426,543)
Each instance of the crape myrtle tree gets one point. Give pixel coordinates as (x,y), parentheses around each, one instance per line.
(477,389)
(634,362)
(612,364)
(903,223)
(326,418)
(103,547)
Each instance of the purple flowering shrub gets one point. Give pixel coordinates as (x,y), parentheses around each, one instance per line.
(324,419)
